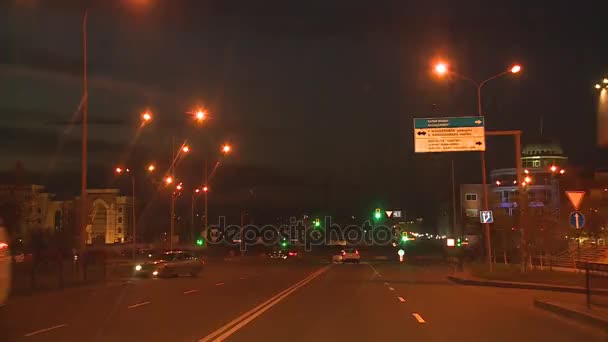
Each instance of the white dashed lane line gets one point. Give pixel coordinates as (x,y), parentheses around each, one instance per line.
(190,291)
(419,318)
(45,330)
(391,288)
(242,278)
(138,305)
(219,284)
(401,299)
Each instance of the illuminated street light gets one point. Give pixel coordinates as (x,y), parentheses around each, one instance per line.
(226,148)
(151,168)
(146,117)
(179,187)
(200,115)
(605,80)
(528,180)
(441,69)
(597,86)
(168,180)
(562,171)
(516,68)
(118,170)
(205,188)
(498,183)
(553,168)
(186,149)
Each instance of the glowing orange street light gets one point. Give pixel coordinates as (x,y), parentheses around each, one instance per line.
(146,117)
(498,183)
(441,68)
(168,180)
(553,168)
(515,69)
(597,86)
(528,180)
(200,115)
(562,171)
(186,149)
(179,186)
(197,190)
(205,189)
(526,171)
(226,148)
(151,168)
(118,170)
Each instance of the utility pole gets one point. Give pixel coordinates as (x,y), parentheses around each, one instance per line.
(453,201)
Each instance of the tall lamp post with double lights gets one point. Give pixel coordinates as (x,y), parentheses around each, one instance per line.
(442,69)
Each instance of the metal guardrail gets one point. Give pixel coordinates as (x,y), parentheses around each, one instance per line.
(592,269)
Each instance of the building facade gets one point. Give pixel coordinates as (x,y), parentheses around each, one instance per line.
(110,217)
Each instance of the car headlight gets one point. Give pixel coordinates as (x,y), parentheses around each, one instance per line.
(155,273)
(138,268)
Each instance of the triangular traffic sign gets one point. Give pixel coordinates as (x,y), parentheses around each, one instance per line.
(389,213)
(575,197)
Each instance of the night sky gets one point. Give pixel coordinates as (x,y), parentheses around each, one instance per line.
(319,85)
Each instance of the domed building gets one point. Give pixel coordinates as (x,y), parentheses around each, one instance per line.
(543,163)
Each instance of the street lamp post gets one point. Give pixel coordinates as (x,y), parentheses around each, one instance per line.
(442,69)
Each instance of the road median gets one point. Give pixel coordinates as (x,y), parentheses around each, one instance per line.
(464,279)
(596,317)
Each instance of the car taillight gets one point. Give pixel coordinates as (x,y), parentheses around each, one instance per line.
(202,262)
(3,245)
(357,252)
(343,253)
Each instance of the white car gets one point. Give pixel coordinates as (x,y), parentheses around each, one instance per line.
(350,255)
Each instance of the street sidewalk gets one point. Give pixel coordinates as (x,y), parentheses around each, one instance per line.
(593,315)
(465,278)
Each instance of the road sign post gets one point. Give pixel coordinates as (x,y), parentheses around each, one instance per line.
(449,134)
(486,216)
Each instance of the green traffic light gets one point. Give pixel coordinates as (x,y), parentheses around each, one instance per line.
(283,244)
(317,223)
(200,242)
(377,216)
(404,238)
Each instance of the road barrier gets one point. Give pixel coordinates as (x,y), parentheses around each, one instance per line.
(596,276)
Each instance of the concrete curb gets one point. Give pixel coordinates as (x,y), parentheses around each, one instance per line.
(571,313)
(527,286)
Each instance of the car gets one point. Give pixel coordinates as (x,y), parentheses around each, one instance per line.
(170,264)
(350,255)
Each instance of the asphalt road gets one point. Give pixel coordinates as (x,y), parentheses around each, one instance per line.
(290,301)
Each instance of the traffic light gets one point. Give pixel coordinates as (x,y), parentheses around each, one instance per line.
(284,243)
(404,237)
(200,242)
(458,243)
(317,223)
(378,213)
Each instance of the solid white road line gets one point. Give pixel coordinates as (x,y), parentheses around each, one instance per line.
(219,284)
(190,291)
(419,318)
(138,305)
(45,330)
(401,299)
(391,288)
(239,322)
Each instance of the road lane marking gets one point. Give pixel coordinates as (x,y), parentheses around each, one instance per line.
(419,318)
(138,305)
(239,322)
(401,299)
(391,288)
(45,330)
(385,283)
(190,291)
(374,269)
(241,278)
(219,284)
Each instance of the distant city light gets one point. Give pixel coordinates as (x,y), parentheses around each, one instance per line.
(441,68)
(516,68)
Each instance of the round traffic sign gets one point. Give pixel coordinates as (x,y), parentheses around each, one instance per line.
(401,252)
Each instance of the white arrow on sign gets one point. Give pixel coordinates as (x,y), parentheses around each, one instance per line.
(577,224)
(478,122)
(389,213)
